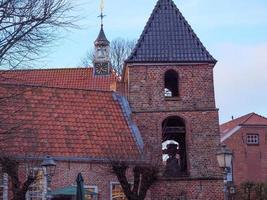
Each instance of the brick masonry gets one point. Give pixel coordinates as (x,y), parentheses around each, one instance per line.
(93,174)
(99,175)
(144,88)
(196,105)
(250,161)
(195,190)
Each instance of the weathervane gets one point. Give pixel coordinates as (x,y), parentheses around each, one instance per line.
(102,15)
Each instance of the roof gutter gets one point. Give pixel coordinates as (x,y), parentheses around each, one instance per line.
(169,63)
(81,159)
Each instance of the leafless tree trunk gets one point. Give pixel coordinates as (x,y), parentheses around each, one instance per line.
(27,26)
(120,49)
(19,189)
(144,177)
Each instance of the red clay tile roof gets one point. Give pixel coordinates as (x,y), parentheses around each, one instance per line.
(249,119)
(64,123)
(75,78)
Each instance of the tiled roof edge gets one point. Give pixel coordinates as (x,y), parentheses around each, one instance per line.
(46,69)
(127,113)
(172,62)
(80,159)
(131,56)
(230,133)
(192,32)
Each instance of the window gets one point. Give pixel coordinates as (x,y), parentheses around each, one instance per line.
(37,190)
(117,192)
(91,192)
(253,139)
(171,84)
(174,146)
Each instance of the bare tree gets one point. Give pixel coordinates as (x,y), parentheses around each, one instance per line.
(120,49)
(19,189)
(27,26)
(9,163)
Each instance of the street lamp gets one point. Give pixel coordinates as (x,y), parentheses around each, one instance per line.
(224,157)
(49,167)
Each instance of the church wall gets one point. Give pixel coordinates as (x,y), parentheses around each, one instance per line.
(250,161)
(99,175)
(202,139)
(196,106)
(93,174)
(187,190)
(146,88)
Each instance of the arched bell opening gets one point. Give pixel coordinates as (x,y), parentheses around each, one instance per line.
(174,146)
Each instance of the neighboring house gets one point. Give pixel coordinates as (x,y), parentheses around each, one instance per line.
(246,136)
(161,110)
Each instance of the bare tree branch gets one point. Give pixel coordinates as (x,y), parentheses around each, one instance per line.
(27,26)
(120,49)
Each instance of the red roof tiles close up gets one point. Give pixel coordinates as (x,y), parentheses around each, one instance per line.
(64,122)
(75,78)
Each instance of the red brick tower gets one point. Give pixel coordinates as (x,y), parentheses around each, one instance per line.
(169,84)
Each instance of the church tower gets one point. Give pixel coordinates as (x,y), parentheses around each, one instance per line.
(102,50)
(169,84)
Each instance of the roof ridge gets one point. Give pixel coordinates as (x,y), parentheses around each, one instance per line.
(236,119)
(48,69)
(51,87)
(245,120)
(260,115)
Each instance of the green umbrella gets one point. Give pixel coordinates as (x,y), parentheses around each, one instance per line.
(80,188)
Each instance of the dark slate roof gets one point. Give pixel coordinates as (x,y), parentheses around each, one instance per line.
(101,39)
(168,37)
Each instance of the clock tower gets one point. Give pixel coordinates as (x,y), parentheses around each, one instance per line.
(102,50)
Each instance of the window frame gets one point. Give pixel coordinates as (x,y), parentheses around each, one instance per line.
(249,143)
(177,86)
(111,183)
(44,185)
(91,186)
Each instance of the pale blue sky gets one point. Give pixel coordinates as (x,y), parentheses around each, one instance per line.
(234,31)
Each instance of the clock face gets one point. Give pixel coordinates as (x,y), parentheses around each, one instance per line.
(101,68)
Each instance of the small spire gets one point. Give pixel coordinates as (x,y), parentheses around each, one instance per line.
(101,39)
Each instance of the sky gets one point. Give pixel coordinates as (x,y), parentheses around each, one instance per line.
(234,32)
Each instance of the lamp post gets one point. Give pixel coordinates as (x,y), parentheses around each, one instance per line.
(224,157)
(49,167)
